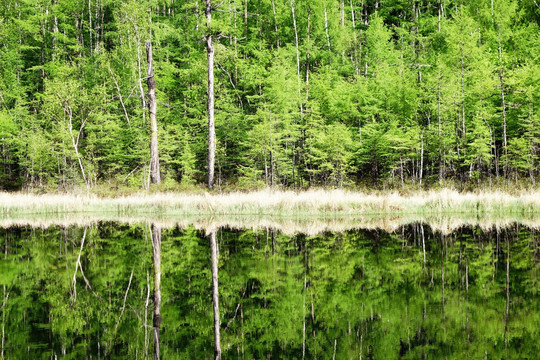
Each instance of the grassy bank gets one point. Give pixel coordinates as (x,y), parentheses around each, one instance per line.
(276,203)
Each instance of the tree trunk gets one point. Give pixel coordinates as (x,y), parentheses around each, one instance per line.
(152,108)
(215,295)
(421,159)
(307,54)
(503,103)
(55,33)
(355,41)
(342,12)
(90,27)
(75,141)
(211,126)
(439,123)
(156,247)
(297,49)
(439,16)
(326,29)
(275,23)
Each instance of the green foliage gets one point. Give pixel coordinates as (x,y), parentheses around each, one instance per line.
(344,93)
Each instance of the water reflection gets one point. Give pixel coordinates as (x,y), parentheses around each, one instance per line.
(444,224)
(416,292)
(156,251)
(215,295)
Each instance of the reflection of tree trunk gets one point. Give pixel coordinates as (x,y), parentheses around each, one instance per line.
(423,243)
(77,266)
(215,294)
(156,247)
(442,274)
(4,305)
(123,308)
(467,296)
(313,327)
(242,322)
(304,319)
(507,295)
(146,315)
(273,241)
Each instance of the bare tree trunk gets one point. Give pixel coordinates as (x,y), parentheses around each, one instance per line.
(439,16)
(55,32)
(156,247)
(235,50)
(155,177)
(299,85)
(75,141)
(439,122)
(117,86)
(342,12)
(464,135)
(297,55)
(90,26)
(355,41)
(326,29)
(43,24)
(246,18)
(501,80)
(421,159)
(275,22)
(211,126)
(307,53)
(215,295)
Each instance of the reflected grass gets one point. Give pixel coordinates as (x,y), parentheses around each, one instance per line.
(288,225)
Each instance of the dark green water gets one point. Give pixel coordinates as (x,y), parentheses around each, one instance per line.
(360,294)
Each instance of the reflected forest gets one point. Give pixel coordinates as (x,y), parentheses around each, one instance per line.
(137,291)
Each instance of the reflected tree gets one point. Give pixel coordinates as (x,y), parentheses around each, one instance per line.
(156,251)
(215,294)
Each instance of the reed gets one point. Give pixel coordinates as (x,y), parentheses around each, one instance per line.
(280,203)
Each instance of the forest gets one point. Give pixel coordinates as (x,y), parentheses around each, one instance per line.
(255,93)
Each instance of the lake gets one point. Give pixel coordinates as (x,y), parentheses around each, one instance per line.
(382,289)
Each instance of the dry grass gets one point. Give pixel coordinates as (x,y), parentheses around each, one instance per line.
(310,212)
(283,203)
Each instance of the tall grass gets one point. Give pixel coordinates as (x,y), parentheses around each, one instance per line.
(281,203)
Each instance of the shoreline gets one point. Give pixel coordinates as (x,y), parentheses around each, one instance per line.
(310,226)
(276,203)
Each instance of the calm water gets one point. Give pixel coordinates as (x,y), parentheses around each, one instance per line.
(95,292)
